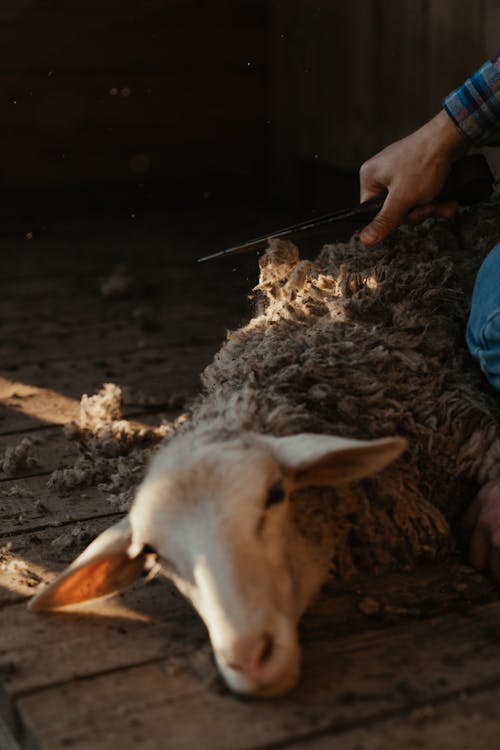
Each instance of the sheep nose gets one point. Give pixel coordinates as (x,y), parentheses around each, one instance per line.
(249,656)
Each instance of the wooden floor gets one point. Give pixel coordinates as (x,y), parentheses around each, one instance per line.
(408,661)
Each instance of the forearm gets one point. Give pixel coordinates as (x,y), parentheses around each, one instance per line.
(439,139)
(414,170)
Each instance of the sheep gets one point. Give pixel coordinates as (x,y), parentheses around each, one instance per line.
(342,430)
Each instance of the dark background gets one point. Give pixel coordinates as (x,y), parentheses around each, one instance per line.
(131,105)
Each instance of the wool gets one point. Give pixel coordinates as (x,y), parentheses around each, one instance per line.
(367,343)
(113,451)
(19,458)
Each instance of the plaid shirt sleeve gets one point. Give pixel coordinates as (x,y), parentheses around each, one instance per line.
(475,106)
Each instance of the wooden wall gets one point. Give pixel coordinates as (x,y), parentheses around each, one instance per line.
(129,89)
(350,76)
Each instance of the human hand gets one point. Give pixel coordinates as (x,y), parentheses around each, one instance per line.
(481,525)
(413,171)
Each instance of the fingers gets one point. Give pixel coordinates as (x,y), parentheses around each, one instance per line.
(390,216)
(376,175)
(471,516)
(421,213)
(481,525)
(446,209)
(494,563)
(394,213)
(479,548)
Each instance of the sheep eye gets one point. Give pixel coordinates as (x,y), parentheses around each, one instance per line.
(275,495)
(167,565)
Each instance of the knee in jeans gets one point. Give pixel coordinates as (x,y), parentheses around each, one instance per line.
(484,345)
(483,327)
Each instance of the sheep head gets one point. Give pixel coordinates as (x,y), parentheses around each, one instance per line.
(217,518)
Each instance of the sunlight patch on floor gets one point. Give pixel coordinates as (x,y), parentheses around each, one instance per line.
(51,406)
(41,403)
(25,578)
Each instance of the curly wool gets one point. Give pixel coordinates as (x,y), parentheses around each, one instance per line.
(368,343)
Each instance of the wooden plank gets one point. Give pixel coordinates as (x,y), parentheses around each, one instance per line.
(65,127)
(335,616)
(229,43)
(92,111)
(28,505)
(454,27)
(355,57)
(463,722)
(283,120)
(491,26)
(146,285)
(29,164)
(24,406)
(130,8)
(32,498)
(107,338)
(113,326)
(350,78)
(28,559)
(160,254)
(96,78)
(401,64)
(159,249)
(7,741)
(41,393)
(65,35)
(128,12)
(147,624)
(153,621)
(347,682)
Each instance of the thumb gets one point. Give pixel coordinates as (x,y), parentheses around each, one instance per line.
(390,216)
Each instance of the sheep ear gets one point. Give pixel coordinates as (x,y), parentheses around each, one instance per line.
(315,460)
(103,568)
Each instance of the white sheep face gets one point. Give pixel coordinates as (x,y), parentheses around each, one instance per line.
(219,520)
(217,517)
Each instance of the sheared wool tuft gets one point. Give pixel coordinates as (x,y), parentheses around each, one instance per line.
(19,458)
(366,343)
(114,451)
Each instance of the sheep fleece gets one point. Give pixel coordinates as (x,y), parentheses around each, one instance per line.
(367,343)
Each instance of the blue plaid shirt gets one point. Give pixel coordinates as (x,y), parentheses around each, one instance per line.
(475,106)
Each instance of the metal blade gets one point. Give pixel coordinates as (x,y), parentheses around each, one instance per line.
(365,210)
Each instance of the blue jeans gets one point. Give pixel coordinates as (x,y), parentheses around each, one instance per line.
(483,326)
